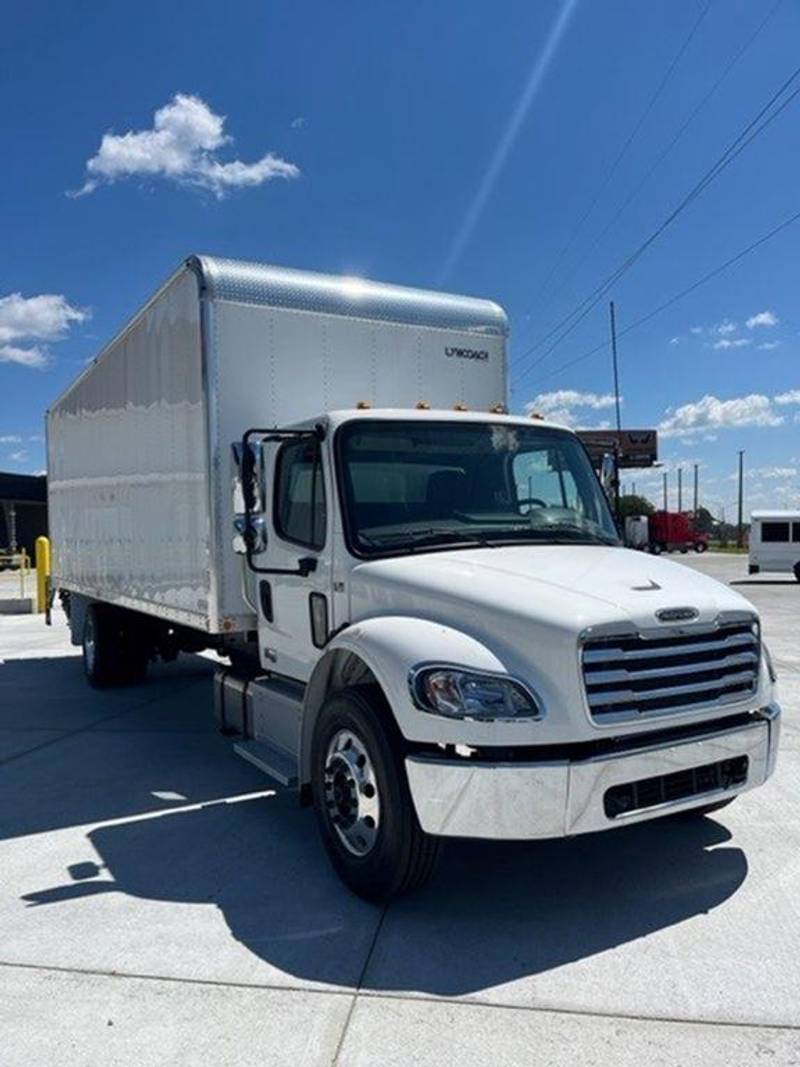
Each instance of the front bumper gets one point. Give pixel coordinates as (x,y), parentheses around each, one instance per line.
(558,798)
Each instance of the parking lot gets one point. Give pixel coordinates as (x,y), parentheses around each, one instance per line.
(162,903)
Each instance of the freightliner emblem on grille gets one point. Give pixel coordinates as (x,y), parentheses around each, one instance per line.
(676,614)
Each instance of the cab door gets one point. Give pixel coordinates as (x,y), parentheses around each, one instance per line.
(293,607)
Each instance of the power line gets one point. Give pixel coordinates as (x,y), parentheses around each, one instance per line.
(623,151)
(666,151)
(679,296)
(754,128)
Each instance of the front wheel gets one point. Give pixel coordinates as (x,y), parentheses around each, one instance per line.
(362,802)
(700,546)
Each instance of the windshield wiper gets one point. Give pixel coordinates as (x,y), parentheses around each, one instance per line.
(574,532)
(423,538)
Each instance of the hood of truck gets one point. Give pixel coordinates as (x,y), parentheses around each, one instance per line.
(566,586)
(528,604)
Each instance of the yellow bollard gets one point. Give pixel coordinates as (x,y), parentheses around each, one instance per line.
(42,573)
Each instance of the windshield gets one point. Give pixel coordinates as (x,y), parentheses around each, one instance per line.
(411,485)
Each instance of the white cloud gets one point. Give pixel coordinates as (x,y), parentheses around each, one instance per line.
(298,123)
(559,406)
(10,439)
(18,457)
(25,357)
(570,398)
(696,330)
(737,342)
(763,318)
(710,413)
(725,328)
(767,346)
(674,340)
(46,317)
(181,147)
(790,397)
(775,472)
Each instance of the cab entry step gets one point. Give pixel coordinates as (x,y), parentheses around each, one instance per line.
(269,759)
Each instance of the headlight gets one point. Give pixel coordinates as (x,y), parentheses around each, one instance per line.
(462,694)
(768,660)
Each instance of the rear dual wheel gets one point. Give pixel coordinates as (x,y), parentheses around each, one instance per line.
(362,802)
(115,650)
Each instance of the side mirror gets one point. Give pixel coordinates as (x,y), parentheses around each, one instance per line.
(250,477)
(249,499)
(608,474)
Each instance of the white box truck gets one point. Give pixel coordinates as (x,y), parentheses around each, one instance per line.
(432,625)
(774,543)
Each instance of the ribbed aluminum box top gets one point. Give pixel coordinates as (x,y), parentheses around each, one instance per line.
(282,287)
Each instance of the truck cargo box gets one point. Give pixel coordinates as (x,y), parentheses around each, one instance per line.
(139,446)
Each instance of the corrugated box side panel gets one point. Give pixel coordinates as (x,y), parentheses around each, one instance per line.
(128,451)
(278,366)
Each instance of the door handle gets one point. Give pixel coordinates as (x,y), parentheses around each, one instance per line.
(305,566)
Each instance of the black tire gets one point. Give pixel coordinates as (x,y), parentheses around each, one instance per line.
(797,571)
(402,856)
(684,549)
(114,649)
(655,549)
(704,809)
(700,546)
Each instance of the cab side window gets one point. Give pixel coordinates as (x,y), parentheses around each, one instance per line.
(300,512)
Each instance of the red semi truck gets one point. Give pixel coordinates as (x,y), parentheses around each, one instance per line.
(670,530)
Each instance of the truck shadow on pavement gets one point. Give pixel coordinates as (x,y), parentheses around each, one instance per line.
(493,912)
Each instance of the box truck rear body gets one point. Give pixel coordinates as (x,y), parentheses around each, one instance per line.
(139,447)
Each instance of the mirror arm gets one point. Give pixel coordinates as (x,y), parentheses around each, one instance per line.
(306,565)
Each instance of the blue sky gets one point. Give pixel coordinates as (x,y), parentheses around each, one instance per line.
(435,144)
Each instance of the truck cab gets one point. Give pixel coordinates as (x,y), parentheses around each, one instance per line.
(459,578)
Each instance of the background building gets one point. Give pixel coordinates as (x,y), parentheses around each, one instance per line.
(23,511)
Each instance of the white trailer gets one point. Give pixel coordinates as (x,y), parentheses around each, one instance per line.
(433,627)
(775,542)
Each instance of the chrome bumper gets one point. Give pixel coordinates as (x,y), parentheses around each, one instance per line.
(514,801)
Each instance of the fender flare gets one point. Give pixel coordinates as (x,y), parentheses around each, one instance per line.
(389,647)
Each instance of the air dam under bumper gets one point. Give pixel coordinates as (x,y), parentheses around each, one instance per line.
(516,801)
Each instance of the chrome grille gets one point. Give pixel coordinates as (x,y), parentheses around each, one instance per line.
(633,676)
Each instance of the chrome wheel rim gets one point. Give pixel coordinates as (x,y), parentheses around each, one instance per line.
(351,793)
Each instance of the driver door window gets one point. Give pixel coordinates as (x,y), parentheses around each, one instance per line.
(300,513)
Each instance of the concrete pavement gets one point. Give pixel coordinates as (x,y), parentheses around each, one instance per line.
(162,903)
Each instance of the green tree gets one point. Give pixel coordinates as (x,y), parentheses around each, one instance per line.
(633,504)
(704,521)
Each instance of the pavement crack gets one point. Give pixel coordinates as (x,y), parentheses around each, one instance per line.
(357,991)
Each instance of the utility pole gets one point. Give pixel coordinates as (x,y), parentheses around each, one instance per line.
(666,507)
(696,466)
(633,490)
(614,358)
(680,489)
(741,499)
